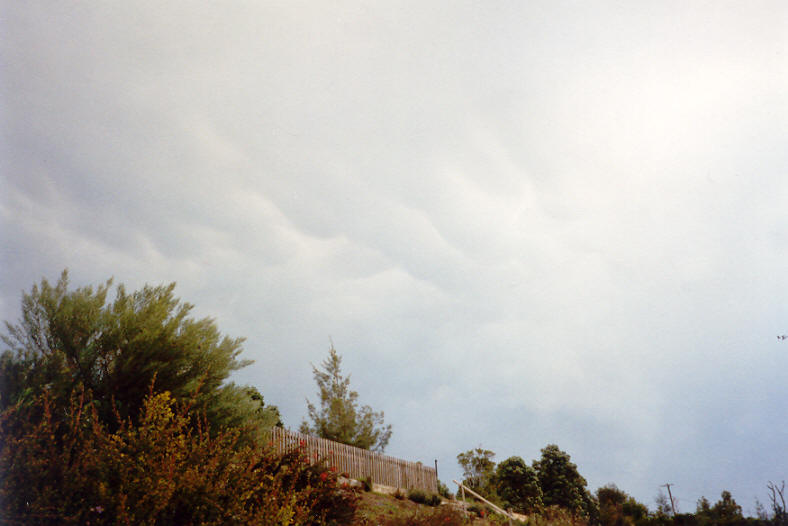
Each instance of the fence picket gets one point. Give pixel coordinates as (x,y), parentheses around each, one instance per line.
(359,463)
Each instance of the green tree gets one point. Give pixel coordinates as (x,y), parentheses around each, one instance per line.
(68,338)
(616,508)
(562,484)
(339,418)
(478,469)
(726,508)
(517,484)
(724,512)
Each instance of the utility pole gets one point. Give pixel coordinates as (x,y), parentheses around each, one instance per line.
(672,506)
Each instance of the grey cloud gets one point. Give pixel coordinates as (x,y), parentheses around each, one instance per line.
(519,224)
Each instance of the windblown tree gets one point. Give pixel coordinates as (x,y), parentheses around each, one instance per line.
(116,349)
(338,417)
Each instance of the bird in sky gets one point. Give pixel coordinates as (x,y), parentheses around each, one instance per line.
(782,337)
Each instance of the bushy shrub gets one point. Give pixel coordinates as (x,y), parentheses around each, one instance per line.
(443,491)
(366,483)
(478,509)
(433,500)
(399,495)
(61,465)
(417,496)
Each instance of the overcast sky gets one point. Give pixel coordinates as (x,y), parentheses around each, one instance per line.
(521,223)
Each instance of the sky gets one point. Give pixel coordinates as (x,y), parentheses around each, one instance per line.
(520,223)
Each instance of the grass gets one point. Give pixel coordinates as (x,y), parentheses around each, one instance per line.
(376,509)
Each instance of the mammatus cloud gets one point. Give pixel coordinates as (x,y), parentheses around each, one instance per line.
(519,224)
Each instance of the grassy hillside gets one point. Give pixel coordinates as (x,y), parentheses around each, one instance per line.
(384,510)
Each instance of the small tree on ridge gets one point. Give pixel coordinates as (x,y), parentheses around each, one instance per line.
(338,417)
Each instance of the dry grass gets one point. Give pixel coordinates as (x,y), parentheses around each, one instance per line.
(383,510)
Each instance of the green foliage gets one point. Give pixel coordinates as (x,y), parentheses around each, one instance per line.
(339,418)
(478,509)
(562,484)
(477,469)
(366,483)
(443,490)
(67,338)
(726,508)
(422,497)
(518,485)
(616,508)
(433,500)
(62,465)
(723,512)
(418,496)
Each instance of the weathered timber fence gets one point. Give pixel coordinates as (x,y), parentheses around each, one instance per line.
(359,463)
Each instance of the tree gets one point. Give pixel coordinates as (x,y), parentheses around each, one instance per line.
(616,508)
(114,349)
(518,485)
(562,484)
(726,510)
(777,501)
(723,512)
(477,469)
(339,418)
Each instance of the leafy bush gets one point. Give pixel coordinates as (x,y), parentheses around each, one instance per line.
(417,496)
(398,494)
(366,483)
(443,490)
(61,465)
(477,509)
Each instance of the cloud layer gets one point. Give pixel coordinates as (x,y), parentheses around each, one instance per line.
(520,224)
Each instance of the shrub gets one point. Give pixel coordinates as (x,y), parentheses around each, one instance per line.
(61,465)
(433,500)
(366,483)
(398,494)
(478,509)
(443,490)
(417,496)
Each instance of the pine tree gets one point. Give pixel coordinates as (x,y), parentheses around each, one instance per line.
(339,418)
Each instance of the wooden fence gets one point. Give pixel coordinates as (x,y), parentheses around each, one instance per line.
(359,463)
